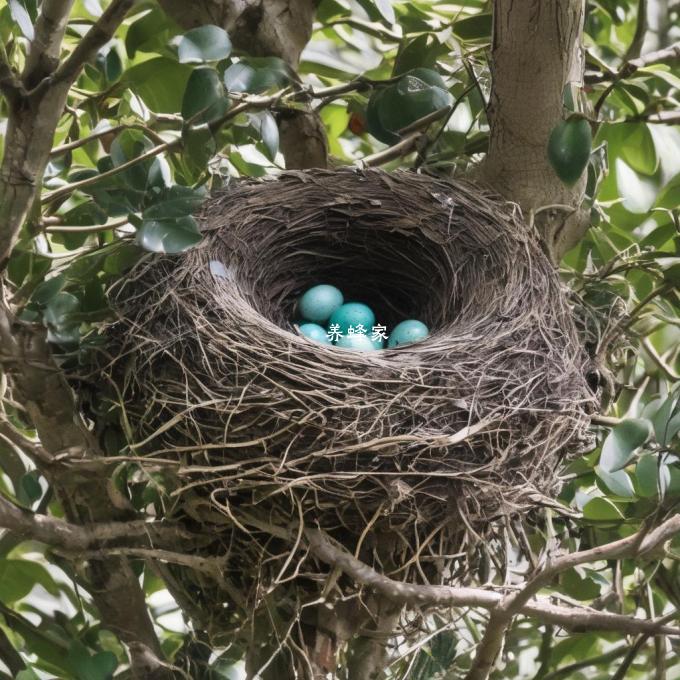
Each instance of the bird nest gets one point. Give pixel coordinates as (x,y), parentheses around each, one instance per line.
(271,430)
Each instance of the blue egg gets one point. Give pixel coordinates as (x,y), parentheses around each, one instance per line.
(352,314)
(319,302)
(315,332)
(360,343)
(378,343)
(407,332)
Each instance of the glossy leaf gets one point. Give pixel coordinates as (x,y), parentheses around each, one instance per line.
(622,442)
(601,509)
(204,44)
(168,235)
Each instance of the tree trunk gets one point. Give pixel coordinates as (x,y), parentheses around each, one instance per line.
(267,28)
(536,51)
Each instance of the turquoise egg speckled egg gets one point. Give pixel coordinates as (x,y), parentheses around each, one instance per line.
(352,314)
(360,343)
(378,343)
(407,332)
(315,332)
(319,302)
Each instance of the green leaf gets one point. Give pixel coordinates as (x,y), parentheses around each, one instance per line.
(601,509)
(169,236)
(123,258)
(474,28)
(669,196)
(408,101)
(578,587)
(113,66)
(150,33)
(59,310)
(621,443)
(386,10)
(29,490)
(204,44)
(176,201)
(652,477)
(48,289)
(22,17)
(569,148)
(257,74)
(666,420)
(238,77)
(638,148)
(618,482)
(160,82)
(269,131)
(27,674)
(204,98)
(18,577)
(101,666)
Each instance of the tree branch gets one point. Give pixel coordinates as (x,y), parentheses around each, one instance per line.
(10,657)
(10,85)
(50,26)
(100,33)
(501,617)
(77,538)
(540,608)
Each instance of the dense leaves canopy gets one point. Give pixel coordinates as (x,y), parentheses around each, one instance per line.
(162,116)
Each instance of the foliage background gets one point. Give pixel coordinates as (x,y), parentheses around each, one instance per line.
(162,116)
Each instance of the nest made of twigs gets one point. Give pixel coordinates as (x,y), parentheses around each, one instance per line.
(469,424)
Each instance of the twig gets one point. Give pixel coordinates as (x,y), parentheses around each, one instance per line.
(93,229)
(50,26)
(664,56)
(114,130)
(9,656)
(407,144)
(667,55)
(70,537)
(100,33)
(633,51)
(10,85)
(540,608)
(654,356)
(567,672)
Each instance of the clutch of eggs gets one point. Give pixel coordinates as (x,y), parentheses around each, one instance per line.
(327,319)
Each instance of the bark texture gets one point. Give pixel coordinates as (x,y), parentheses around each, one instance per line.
(267,28)
(536,50)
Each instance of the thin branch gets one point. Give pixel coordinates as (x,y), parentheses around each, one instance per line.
(9,656)
(667,55)
(78,538)
(644,541)
(10,85)
(92,229)
(32,449)
(654,356)
(540,608)
(50,26)
(100,33)
(636,43)
(410,142)
(64,191)
(661,118)
(370,28)
(114,130)
(567,672)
